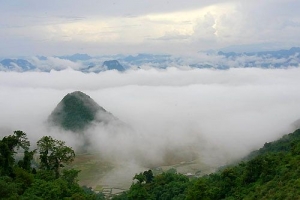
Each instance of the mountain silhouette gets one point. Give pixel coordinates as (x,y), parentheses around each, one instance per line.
(113,65)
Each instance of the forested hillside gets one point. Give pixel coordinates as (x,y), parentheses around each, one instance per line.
(23,177)
(272,172)
(75,112)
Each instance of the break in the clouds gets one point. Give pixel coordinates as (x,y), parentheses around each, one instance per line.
(215,116)
(110,27)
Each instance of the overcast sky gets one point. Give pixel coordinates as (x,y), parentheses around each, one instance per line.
(97,27)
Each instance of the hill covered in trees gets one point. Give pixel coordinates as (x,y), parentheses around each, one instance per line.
(272,172)
(76,111)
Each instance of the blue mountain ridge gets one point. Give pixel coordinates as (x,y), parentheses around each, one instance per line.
(219,60)
(17,65)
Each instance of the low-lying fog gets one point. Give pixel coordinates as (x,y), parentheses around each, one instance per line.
(213,115)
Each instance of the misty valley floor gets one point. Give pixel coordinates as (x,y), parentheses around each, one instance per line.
(112,177)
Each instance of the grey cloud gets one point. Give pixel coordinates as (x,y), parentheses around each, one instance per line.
(102,8)
(173,36)
(33,27)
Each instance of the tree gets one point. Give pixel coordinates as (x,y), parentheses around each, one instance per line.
(19,181)
(54,154)
(149,176)
(9,189)
(8,147)
(137,192)
(145,177)
(26,162)
(70,176)
(141,178)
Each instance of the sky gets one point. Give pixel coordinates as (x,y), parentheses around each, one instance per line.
(101,27)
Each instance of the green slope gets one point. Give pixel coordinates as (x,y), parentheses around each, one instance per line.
(272,172)
(75,112)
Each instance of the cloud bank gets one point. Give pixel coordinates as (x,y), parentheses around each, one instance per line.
(215,116)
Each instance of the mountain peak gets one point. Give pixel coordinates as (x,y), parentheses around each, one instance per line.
(76,57)
(75,112)
(113,64)
(17,64)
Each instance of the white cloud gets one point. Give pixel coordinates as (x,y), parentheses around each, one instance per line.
(173,115)
(54,63)
(234,110)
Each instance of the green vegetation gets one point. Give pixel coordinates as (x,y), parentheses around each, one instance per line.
(24,178)
(75,112)
(269,173)
(53,153)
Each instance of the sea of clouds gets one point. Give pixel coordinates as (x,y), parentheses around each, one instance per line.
(174,114)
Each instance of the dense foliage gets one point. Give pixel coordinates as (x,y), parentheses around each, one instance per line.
(75,111)
(271,173)
(22,177)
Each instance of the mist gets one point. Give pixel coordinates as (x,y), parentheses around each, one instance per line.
(171,115)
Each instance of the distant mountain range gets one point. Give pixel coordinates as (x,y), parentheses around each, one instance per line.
(16,65)
(76,57)
(215,60)
(275,54)
(107,65)
(282,58)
